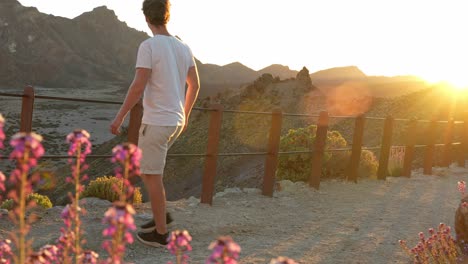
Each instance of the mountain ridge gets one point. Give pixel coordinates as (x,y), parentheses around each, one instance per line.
(53,51)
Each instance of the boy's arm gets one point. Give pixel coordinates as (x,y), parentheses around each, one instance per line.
(134,94)
(192,92)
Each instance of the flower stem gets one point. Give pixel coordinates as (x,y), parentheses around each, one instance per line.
(22,208)
(179,256)
(123,195)
(77,206)
(117,242)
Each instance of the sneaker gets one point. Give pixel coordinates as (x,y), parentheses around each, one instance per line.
(153,239)
(150,226)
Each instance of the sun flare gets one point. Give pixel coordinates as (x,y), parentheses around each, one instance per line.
(455,82)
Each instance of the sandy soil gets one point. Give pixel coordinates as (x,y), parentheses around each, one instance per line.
(341,223)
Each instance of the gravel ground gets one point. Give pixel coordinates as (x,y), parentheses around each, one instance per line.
(341,223)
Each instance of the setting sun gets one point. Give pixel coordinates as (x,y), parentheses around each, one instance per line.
(452,77)
(452,81)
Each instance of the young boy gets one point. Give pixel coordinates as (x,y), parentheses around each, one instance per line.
(164,66)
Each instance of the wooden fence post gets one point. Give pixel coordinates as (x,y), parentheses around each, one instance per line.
(134,123)
(385,149)
(209,175)
(271,162)
(318,150)
(464,141)
(430,147)
(409,148)
(354,161)
(448,140)
(27,108)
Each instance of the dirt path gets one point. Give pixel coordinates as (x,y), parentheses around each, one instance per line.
(341,223)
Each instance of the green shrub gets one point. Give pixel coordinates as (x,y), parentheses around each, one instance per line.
(369,164)
(102,188)
(40,200)
(297,167)
(395,171)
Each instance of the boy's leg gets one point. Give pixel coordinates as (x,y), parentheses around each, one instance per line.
(155,142)
(155,187)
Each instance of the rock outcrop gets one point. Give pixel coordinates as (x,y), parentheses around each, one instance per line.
(51,51)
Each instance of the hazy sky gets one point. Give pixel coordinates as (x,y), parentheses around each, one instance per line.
(381,37)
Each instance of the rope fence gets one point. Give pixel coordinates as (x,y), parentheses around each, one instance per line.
(272,152)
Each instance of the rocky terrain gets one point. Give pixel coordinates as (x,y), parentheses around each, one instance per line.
(341,223)
(50,51)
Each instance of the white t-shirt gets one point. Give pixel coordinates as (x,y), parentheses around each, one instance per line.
(169,60)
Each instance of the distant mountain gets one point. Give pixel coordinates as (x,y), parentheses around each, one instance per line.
(217,79)
(52,51)
(338,74)
(279,70)
(353,81)
(230,73)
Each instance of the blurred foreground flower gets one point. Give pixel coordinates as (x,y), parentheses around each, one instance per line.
(179,243)
(46,254)
(89,257)
(5,251)
(79,143)
(128,155)
(67,236)
(119,220)
(224,251)
(2,182)
(2,138)
(27,149)
(80,147)
(2,134)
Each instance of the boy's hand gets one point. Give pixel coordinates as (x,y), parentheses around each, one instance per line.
(115,126)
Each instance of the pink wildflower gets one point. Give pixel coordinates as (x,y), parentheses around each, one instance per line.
(128,155)
(224,250)
(89,257)
(79,139)
(48,253)
(439,246)
(67,215)
(282,260)
(65,245)
(36,258)
(2,134)
(421,236)
(81,147)
(179,240)
(431,231)
(5,251)
(127,152)
(119,219)
(179,243)
(27,146)
(27,149)
(67,236)
(462,187)
(2,181)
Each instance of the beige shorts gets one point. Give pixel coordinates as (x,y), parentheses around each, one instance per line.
(154,142)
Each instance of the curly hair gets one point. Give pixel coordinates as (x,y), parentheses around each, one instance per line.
(157,11)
